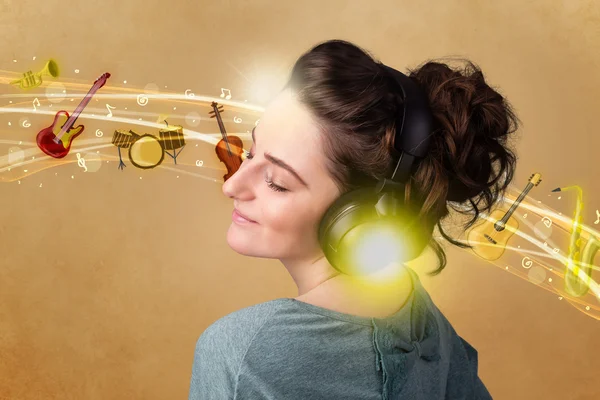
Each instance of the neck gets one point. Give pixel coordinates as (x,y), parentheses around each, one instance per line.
(318,281)
(308,274)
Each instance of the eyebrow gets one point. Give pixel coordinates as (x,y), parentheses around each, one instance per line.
(279,162)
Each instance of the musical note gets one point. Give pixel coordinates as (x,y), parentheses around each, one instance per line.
(38,103)
(547,221)
(99,133)
(190,95)
(81,162)
(199,163)
(223,90)
(26,124)
(525,215)
(108,107)
(526,264)
(237,120)
(142,100)
(93,161)
(598,217)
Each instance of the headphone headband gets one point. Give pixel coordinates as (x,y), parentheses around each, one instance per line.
(414,126)
(361,207)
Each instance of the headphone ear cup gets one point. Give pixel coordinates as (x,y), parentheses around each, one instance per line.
(347,204)
(362,206)
(346,212)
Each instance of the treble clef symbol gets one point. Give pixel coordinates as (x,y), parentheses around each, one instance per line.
(81,162)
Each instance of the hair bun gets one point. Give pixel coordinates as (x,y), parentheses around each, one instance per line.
(473,123)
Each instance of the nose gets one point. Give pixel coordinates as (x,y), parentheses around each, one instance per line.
(239,185)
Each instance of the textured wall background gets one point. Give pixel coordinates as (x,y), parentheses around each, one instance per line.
(107,280)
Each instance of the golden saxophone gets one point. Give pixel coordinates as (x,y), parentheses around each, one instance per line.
(579,263)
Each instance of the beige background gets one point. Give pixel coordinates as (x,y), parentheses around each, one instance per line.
(107,280)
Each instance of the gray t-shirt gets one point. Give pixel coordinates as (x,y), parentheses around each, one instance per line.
(286,349)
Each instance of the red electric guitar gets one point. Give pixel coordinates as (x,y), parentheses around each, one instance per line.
(56,139)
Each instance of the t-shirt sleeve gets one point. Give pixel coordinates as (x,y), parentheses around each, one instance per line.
(212,377)
(480,392)
(463,379)
(220,350)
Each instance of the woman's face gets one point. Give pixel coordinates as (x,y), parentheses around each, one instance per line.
(283,186)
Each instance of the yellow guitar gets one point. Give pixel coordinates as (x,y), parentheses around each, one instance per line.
(489,238)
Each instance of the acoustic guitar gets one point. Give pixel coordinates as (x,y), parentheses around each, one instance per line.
(56,139)
(490,237)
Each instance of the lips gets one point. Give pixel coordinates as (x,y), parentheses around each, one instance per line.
(242,215)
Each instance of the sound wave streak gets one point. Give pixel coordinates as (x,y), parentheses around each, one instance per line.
(132,94)
(563,224)
(212,139)
(104,157)
(161,96)
(547,211)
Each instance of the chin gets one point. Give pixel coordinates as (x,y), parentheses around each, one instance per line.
(243,241)
(250,242)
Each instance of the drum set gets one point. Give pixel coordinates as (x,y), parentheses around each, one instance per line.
(147,151)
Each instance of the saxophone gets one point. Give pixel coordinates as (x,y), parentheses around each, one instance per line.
(576,284)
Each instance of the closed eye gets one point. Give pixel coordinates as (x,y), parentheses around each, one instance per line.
(279,162)
(270,184)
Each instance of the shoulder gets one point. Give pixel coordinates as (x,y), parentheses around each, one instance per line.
(453,343)
(448,336)
(236,330)
(248,316)
(297,351)
(461,360)
(220,350)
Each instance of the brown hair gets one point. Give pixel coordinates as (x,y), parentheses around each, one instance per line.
(351,96)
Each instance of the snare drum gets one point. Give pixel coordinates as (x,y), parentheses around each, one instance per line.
(122,139)
(172,137)
(146,152)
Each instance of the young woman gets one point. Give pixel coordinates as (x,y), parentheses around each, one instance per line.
(329,131)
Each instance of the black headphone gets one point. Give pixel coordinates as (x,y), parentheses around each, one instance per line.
(384,202)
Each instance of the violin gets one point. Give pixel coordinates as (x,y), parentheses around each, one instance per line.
(230,148)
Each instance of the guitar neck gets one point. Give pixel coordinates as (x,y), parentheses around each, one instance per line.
(84,102)
(514,206)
